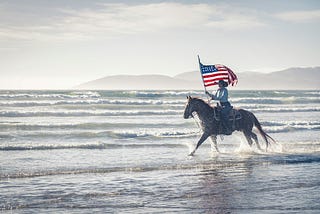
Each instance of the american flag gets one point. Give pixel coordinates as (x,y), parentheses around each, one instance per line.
(211,74)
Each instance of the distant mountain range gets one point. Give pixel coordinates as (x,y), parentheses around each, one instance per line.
(289,79)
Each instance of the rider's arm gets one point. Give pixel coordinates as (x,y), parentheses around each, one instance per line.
(216,96)
(210,95)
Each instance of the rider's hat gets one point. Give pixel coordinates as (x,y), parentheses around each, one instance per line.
(223,83)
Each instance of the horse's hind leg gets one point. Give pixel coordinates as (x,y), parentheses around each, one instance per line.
(254,136)
(248,137)
(214,145)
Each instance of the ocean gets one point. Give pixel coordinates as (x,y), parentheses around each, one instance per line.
(127,152)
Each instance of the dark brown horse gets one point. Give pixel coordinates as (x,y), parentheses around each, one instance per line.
(211,126)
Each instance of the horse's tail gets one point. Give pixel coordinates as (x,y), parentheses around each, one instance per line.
(263,133)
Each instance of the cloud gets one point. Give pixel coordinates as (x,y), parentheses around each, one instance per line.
(127,19)
(110,20)
(300,16)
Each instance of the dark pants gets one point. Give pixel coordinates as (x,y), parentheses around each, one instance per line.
(226,107)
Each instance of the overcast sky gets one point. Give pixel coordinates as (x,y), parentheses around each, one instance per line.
(61,43)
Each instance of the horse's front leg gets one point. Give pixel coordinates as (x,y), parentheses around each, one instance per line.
(201,140)
(214,145)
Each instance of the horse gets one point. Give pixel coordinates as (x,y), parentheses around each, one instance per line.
(211,126)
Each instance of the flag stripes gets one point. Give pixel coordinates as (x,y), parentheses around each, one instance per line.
(211,74)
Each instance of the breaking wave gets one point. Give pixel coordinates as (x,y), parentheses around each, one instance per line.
(98,145)
(145,134)
(278,100)
(48,95)
(128,112)
(180,102)
(83,135)
(163,93)
(285,109)
(289,126)
(90,126)
(26,103)
(79,113)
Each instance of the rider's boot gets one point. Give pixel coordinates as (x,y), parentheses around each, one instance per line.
(225,128)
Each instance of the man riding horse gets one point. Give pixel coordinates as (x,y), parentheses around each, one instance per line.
(222,96)
(210,123)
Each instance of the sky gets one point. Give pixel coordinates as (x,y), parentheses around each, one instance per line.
(47,44)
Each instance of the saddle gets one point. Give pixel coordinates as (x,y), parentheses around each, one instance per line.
(234,114)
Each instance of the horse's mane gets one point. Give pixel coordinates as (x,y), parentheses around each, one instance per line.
(199,100)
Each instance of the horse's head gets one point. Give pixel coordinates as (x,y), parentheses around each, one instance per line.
(189,108)
(196,105)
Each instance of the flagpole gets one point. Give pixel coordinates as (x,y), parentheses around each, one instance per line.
(201,74)
(203,79)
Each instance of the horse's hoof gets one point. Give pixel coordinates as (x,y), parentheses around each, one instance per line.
(191,154)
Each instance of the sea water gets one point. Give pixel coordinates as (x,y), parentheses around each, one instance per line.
(127,152)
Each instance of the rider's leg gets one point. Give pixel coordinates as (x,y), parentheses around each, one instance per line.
(224,121)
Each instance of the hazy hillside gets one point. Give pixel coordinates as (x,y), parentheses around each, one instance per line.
(289,79)
(143,82)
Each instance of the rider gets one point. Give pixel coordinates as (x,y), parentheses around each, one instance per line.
(222,96)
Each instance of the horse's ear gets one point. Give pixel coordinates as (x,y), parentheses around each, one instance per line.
(189,97)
